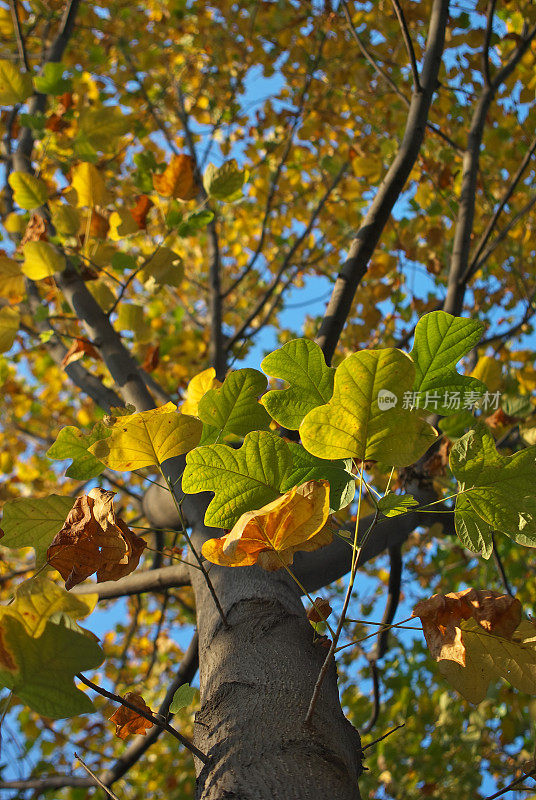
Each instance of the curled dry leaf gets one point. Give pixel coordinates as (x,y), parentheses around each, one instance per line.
(441,616)
(320,611)
(477,636)
(272,534)
(94,540)
(36,230)
(128,721)
(78,349)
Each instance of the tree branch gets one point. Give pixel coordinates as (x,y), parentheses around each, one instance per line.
(409,44)
(389,191)
(150,580)
(470,169)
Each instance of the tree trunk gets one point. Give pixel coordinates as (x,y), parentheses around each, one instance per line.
(257,678)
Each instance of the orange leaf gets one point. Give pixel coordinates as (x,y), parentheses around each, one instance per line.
(152,358)
(141,209)
(128,721)
(78,349)
(93,540)
(271,535)
(178,179)
(441,617)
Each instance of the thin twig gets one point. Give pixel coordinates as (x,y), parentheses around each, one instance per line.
(512,784)
(21,46)
(146,714)
(409,44)
(500,567)
(95,778)
(385,735)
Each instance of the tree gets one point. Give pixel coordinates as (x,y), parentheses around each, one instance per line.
(174,173)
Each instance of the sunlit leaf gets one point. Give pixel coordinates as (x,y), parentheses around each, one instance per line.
(241,479)
(127,721)
(71,443)
(440,341)
(365,418)
(41,260)
(148,438)
(184,695)
(29,192)
(392,505)
(197,388)
(269,536)
(89,185)
(11,279)
(233,410)
(499,489)
(301,363)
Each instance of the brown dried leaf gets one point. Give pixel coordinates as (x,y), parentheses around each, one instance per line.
(93,540)
(128,721)
(441,618)
(152,358)
(320,611)
(78,349)
(36,230)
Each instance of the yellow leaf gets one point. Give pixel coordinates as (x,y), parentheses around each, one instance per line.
(16,223)
(367,167)
(37,599)
(11,279)
(15,86)
(89,185)
(197,388)
(148,438)
(489,371)
(102,294)
(131,317)
(271,535)
(41,259)
(29,192)
(178,179)
(122,223)
(9,325)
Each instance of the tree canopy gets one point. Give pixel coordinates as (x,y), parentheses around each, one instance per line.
(267,297)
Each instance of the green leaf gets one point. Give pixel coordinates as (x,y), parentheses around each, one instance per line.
(225,182)
(15,86)
(306,467)
(232,410)
(473,532)
(100,127)
(194,222)
(242,479)
(31,522)
(52,80)
(184,695)
(41,260)
(365,418)
(392,505)
(41,671)
(9,325)
(457,424)
(440,341)
(72,443)
(301,363)
(499,489)
(29,192)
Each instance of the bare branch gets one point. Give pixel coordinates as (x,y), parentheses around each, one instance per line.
(489,30)
(389,191)
(471,162)
(409,44)
(14,7)
(472,268)
(151,580)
